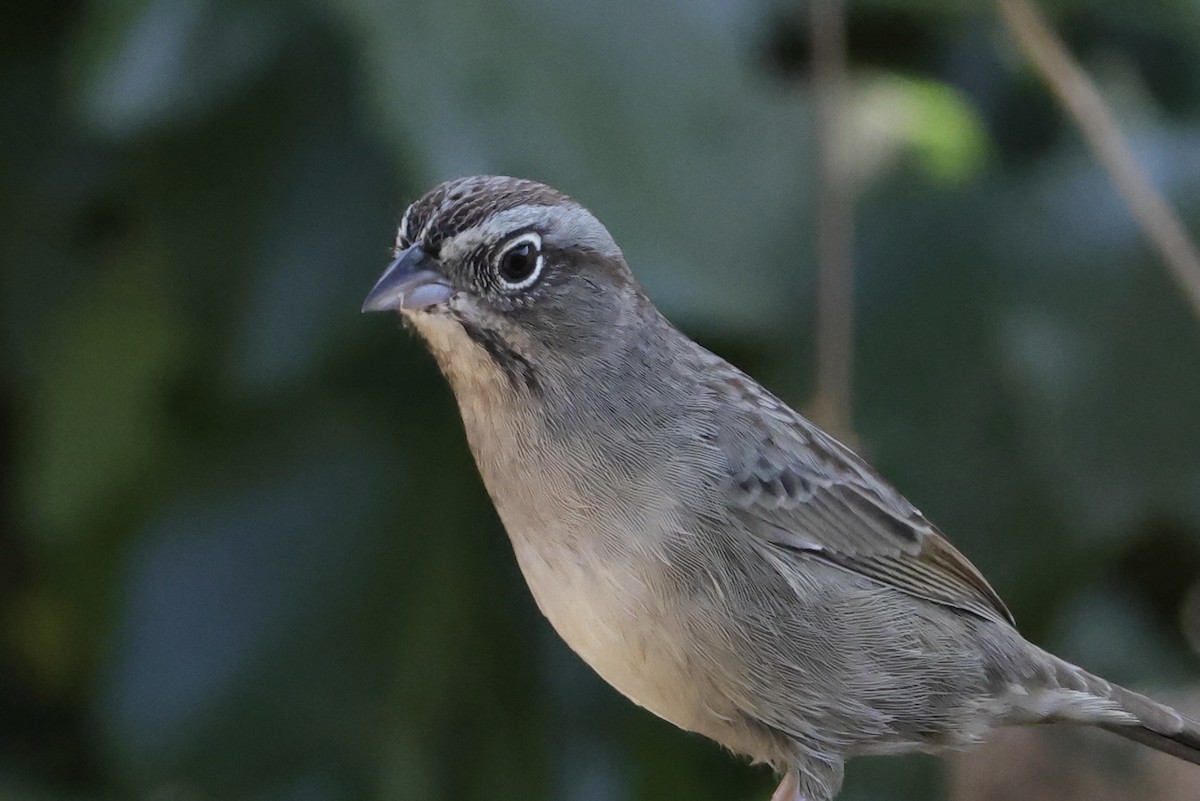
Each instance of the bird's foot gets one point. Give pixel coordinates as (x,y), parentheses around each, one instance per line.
(788,789)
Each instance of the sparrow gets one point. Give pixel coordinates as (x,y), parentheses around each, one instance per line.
(712,554)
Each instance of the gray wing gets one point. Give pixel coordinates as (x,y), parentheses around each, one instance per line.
(804,492)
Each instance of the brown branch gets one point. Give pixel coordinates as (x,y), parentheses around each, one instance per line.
(1071,85)
(832,405)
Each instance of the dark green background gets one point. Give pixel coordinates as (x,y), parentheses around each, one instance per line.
(244,553)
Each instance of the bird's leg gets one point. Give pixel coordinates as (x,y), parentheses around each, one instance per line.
(788,789)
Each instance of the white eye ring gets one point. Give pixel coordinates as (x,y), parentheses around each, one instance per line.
(531,238)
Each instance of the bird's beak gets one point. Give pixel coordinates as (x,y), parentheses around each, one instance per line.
(413,281)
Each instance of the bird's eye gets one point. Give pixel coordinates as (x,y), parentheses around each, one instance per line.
(521,261)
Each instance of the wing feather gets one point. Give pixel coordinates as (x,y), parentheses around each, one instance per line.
(801,491)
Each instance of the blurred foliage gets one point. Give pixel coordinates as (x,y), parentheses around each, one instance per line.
(243,550)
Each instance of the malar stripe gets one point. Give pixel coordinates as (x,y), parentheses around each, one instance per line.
(516,368)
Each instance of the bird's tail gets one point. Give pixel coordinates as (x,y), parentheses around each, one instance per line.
(1080,697)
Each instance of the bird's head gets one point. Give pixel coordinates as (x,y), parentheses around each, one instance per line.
(509,266)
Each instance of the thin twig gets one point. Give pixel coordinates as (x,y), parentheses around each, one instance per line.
(1079,96)
(832,405)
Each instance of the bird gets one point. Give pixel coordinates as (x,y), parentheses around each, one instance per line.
(712,554)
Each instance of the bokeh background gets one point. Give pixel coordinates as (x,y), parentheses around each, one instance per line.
(244,553)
